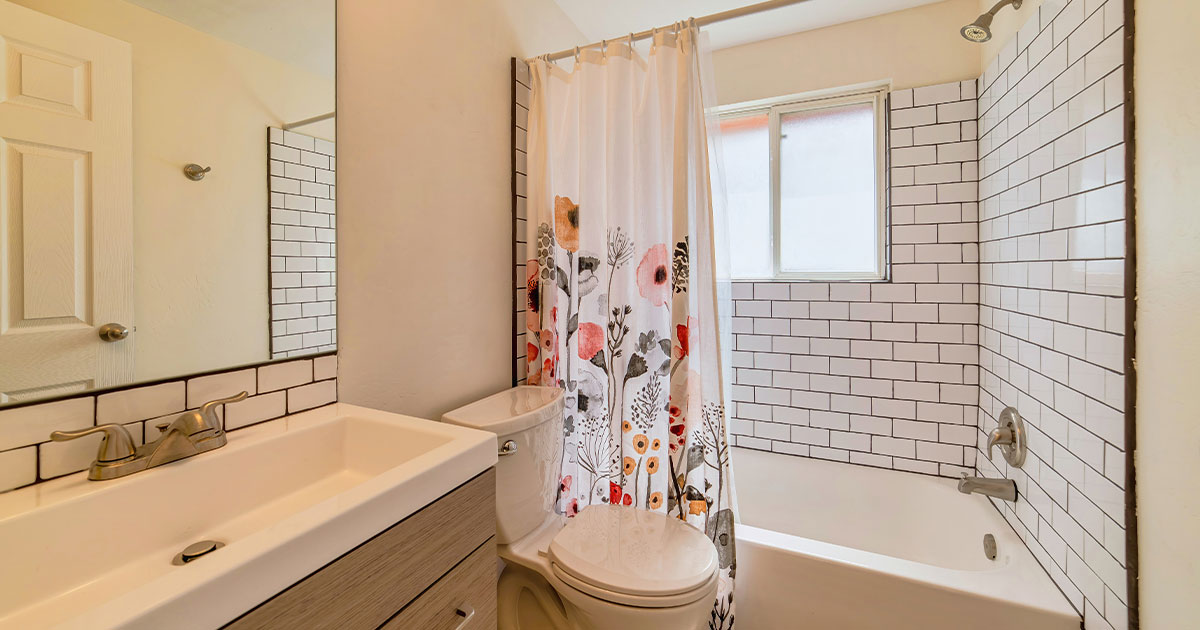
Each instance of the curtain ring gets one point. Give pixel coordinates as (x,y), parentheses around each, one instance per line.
(576,54)
(604,48)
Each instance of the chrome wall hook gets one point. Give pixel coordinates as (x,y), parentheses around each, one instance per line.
(195,172)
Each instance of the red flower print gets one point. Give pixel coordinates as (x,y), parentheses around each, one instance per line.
(531,352)
(573,508)
(564,486)
(684,334)
(591,340)
(654,275)
(617,496)
(676,427)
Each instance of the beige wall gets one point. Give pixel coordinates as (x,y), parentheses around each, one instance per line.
(200,257)
(424,223)
(1166,90)
(916,47)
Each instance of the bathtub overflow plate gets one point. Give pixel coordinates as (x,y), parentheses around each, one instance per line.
(195,550)
(989,546)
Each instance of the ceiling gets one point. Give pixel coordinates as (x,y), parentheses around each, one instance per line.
(299,32)
(610,19)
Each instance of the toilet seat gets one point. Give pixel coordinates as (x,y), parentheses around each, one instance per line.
(625,599)
(633,557)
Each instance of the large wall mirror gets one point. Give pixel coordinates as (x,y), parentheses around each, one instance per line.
(167,199)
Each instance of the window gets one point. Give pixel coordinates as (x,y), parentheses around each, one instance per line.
(804,179)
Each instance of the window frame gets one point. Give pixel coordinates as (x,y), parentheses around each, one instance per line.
(873,93)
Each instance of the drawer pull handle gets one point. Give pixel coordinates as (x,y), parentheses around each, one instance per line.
(467,612)
(509,448)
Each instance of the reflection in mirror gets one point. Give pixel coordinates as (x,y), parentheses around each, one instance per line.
(168,171)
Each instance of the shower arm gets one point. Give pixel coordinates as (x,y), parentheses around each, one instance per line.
(1016,4)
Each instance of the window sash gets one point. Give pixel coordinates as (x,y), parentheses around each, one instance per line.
(876,95)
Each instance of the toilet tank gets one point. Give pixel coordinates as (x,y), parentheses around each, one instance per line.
(527,479)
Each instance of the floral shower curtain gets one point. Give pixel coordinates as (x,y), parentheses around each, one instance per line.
(622,296)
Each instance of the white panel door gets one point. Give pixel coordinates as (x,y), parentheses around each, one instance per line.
(66,206)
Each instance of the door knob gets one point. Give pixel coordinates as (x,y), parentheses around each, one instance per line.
(113,332)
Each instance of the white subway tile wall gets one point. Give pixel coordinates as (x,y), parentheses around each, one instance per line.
(1052,303)
(28,456)
(520,125)
(303,244)
(879,374)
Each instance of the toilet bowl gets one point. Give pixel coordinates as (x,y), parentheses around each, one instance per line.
(609,567)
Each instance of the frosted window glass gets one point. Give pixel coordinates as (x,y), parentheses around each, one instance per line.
(746,153)
(827,212)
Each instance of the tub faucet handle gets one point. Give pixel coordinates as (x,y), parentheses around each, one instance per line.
(1010,436)
(999,436)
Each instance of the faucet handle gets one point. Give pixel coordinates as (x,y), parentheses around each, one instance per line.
(116,445)
(201,420)
(210,416)
(1002,436)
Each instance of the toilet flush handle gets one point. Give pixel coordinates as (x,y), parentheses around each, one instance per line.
(509,448)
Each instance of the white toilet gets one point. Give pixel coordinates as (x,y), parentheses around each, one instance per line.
(609,567)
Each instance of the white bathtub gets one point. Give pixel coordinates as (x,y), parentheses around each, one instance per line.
(829,546)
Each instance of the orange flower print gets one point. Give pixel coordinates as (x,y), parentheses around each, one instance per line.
(591,340)
(655,500)
(655,444)
(640,442)
(630,465)
(626,427)
(654,275)
(652,465)
(566,223)
(697,507)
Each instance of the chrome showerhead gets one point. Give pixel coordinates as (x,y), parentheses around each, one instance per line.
(980,30)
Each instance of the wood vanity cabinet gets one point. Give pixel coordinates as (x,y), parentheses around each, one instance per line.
(417,574)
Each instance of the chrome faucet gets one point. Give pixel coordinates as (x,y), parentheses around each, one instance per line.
(1000,488)
(192,433)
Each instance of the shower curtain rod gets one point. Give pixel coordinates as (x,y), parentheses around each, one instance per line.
(700,21)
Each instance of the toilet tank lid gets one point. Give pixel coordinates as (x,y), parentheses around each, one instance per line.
(510,411)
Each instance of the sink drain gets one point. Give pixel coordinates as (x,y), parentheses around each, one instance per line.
(195,550)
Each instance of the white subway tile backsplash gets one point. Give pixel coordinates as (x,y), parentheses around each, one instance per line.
(312,395)
(223,385)
(18,467)
(24,426)
(139,403)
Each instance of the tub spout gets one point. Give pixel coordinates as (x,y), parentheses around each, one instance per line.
(1005,489)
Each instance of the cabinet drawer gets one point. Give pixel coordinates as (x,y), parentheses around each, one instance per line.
(366,586)
(471,586)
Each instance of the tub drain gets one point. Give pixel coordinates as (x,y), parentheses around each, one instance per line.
(195,550)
